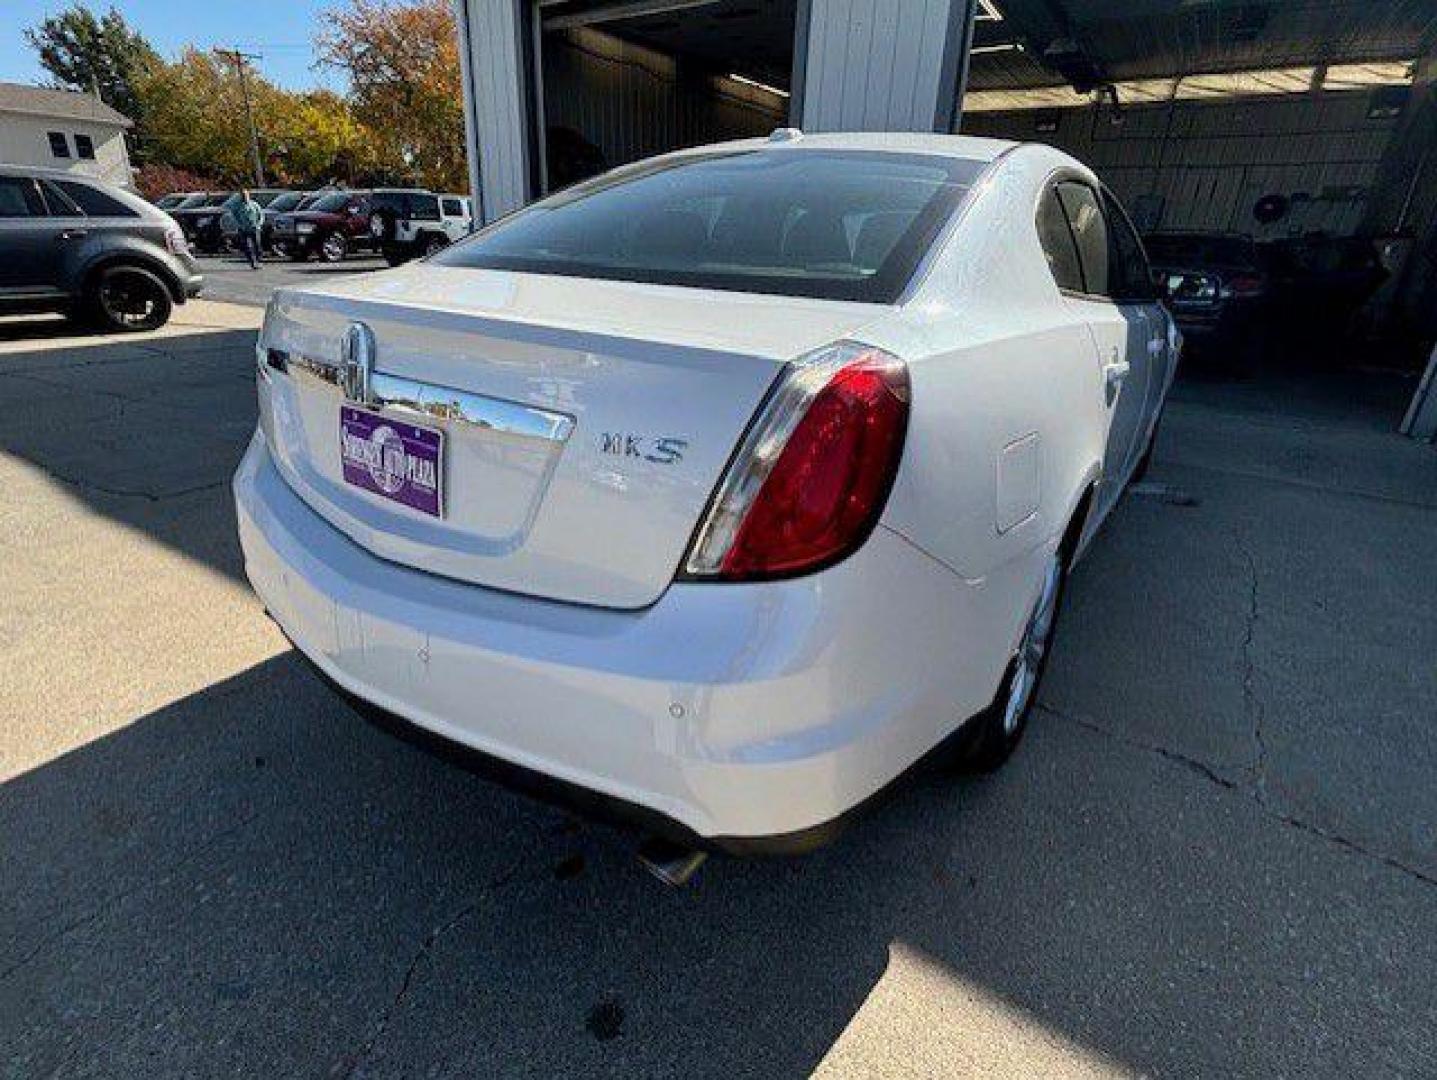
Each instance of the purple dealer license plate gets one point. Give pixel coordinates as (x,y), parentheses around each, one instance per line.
(394,459)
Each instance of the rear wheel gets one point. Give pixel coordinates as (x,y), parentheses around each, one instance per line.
(434,243)
(999,729)
(128,298)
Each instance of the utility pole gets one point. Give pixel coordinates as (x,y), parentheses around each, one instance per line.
(239,58)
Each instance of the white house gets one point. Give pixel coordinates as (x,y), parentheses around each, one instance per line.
(61,129)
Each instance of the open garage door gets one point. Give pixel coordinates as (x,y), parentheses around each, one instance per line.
(624,80)
(1286,150)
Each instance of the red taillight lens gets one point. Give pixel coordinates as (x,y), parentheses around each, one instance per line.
(812,477)
(1244,285)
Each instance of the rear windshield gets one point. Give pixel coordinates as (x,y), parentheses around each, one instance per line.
(836,225)
(1201,250)
(334,201)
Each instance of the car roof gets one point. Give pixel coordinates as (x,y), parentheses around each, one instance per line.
(968,147)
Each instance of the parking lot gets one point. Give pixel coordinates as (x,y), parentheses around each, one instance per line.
(229,278)
(1216,854)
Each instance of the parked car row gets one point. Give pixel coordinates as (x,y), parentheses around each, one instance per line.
(330,223)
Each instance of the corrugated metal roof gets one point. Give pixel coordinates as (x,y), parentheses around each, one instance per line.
(61,104)
(1138,39)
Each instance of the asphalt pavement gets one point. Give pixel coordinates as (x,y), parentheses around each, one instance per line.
(1215,854)
(229,278)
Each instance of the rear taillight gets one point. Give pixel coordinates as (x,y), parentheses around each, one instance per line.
(1243,285)
(175,241)
(810,480)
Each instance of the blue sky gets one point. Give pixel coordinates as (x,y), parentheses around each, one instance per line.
(281,31)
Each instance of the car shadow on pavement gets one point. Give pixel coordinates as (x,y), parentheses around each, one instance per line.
(144,429)
(253,880)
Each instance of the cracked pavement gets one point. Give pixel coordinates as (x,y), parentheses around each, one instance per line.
(1216,853)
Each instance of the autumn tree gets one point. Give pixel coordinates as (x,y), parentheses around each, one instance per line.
(195,113)
(402,61)
(95,55)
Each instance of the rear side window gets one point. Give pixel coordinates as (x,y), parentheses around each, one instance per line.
(1085,218)
(830,224)
(19,198)
(1058,245)
(453,208)
(93,201)
(1131,278)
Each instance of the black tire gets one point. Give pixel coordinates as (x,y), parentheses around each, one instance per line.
(395,256)
(998,729)
(433,243)
(333,248)
(128,298)
(1140,472)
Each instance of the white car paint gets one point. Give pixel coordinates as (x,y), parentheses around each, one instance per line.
(540,620)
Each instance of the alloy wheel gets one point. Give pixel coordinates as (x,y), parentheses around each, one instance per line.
(131,299)
(1028,663)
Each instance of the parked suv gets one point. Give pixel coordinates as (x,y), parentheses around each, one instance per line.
(74,244)
(407,223)
(279,221)
(332,226)
(199,217)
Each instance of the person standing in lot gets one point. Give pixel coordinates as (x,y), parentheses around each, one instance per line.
(249,216)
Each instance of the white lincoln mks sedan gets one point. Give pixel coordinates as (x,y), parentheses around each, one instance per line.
(723,488)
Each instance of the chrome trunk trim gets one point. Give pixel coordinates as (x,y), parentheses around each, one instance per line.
(384,391)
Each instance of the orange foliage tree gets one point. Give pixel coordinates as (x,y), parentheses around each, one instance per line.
(402,60)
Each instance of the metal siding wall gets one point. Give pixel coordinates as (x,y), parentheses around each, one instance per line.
(877,65)
(633,102)
(1220,157)
(500,137)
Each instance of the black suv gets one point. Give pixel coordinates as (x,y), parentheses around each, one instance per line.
(77,245)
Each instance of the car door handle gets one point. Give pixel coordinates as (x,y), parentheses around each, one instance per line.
(1114,374)
(70,234)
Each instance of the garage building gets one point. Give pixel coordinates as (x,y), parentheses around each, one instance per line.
(1306,122)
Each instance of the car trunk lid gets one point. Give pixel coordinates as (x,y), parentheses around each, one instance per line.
(575,429)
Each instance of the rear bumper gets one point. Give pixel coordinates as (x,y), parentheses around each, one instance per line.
(745,716)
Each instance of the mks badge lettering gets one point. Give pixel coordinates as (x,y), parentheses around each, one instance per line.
(667,450)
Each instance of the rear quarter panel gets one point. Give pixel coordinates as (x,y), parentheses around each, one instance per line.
(998,362)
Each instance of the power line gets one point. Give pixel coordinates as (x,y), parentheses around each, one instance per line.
(238,58)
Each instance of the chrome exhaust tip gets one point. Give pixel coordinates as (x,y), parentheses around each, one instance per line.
(673,864)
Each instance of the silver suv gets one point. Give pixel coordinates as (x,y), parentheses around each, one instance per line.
(92,250)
